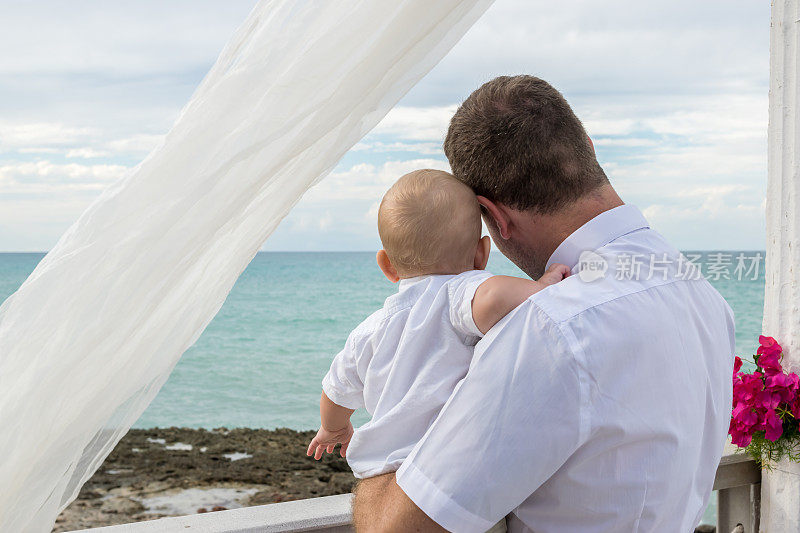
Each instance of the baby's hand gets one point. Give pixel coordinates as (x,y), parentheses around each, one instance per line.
(327,441)
(554,274)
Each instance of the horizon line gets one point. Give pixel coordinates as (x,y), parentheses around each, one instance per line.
(493,251)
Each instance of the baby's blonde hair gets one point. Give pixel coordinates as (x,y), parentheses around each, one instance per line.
(429,223)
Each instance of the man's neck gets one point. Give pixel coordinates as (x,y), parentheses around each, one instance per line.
(544,233)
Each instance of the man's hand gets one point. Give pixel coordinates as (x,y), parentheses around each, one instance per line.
(380,505)
(326,440)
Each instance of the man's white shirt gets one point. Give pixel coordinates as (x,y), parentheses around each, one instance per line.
(402,364)
(601,404)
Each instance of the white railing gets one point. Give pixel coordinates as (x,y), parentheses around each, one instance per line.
(329,514)
(738,486)
(738,483)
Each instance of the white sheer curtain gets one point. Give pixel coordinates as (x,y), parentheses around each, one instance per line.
(91,336)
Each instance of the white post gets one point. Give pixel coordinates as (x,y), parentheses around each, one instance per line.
(780,509)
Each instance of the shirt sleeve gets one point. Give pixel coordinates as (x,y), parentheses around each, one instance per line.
(342,384)
(461,290)
(518,416)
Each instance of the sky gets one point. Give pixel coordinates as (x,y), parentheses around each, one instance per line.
(674,94)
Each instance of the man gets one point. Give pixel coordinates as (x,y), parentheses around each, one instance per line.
(602,402)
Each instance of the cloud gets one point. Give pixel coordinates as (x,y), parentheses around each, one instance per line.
(673,93)
(365,181)
(86,153)
(426,148)
(687,223)
(123,40)
(44,177)
(616,48)
(626,142)
(344,208)
(416,123)
(40,199)
(139,144)
(72,142)
(697,165)
(41,135)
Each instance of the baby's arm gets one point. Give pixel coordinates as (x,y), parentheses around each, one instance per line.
(336,429)
(342,394)
(499,295)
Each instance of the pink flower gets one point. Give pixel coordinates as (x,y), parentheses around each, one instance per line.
(784,386)
(740,437)
(766,399)
(744,416)
(770,362)
(768,346)
(746,388)
(774,425)
(759,396)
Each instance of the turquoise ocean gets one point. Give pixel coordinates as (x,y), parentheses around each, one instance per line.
(260,361)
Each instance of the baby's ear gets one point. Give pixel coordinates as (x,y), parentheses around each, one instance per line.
(482,253)
(386,266)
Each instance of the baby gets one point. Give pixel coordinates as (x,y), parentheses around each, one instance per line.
(403,362)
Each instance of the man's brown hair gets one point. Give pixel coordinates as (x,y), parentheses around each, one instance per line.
(516,140)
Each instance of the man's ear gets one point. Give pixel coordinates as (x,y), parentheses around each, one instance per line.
(591,143)
(498,215)
(386,266)
(482,253)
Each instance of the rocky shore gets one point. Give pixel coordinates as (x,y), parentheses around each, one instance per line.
(176,471)
(153,473)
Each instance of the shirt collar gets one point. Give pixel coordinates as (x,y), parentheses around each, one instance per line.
(408,282)
(599,231)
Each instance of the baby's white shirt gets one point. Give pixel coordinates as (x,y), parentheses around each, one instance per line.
(402,364)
